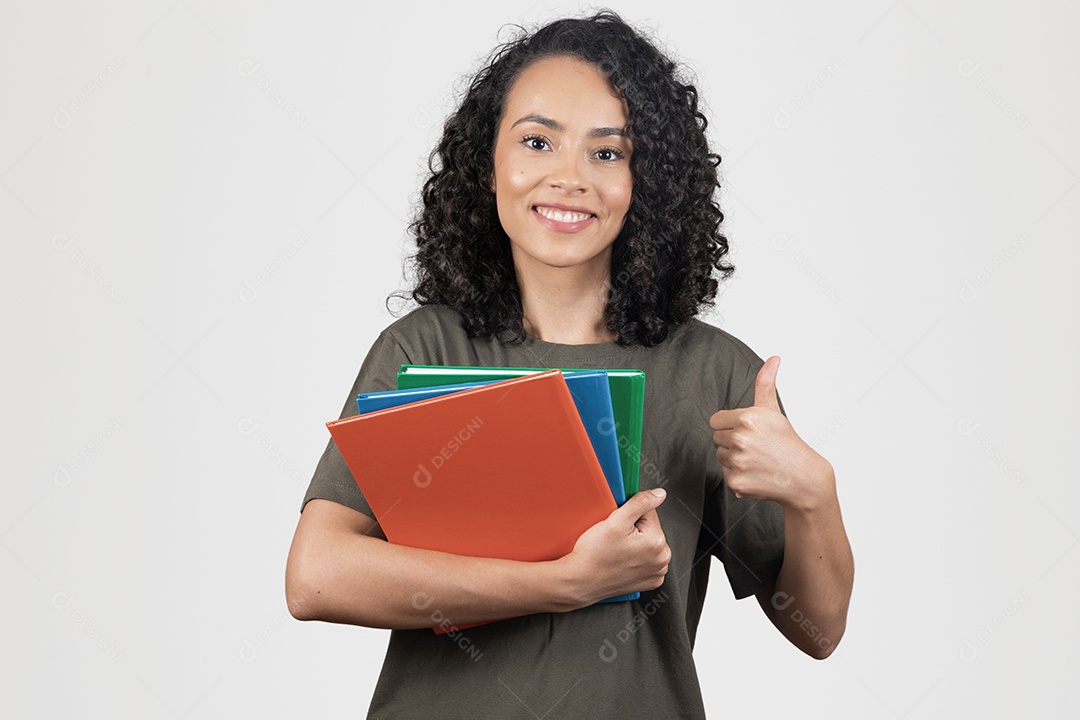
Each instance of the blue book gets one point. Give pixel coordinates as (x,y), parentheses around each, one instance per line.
(591,392)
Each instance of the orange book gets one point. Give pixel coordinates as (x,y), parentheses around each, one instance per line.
(504,470)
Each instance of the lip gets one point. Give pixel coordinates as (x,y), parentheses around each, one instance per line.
(562,226)
(566,208)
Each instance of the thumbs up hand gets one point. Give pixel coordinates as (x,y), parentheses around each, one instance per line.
(761,454)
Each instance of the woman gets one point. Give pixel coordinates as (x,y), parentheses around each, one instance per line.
(569,221)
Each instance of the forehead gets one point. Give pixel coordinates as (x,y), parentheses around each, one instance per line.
(568,86)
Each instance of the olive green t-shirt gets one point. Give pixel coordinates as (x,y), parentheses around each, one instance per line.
(619,659)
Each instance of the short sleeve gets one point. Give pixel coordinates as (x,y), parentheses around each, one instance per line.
(332,479)
(746,534)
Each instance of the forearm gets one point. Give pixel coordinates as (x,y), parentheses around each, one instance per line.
(809,602)
(348,578)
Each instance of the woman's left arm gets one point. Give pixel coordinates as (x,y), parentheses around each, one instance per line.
(764,458)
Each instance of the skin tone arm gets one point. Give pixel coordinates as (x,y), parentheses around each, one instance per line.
(341,570)
(764,458)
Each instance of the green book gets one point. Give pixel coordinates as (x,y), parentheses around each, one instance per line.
(627,401)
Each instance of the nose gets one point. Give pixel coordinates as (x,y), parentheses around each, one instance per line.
(568,172)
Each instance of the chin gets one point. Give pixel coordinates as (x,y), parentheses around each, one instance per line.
(561,260)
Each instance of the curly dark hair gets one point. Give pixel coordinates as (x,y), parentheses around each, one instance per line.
(663,258)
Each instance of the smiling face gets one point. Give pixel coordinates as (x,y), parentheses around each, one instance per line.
(562,166)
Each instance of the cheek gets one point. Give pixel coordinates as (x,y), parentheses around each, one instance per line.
(619,192)
(517,180)
(511,180)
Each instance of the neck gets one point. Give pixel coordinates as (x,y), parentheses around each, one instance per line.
(566,305)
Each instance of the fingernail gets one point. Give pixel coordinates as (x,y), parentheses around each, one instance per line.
(659,492)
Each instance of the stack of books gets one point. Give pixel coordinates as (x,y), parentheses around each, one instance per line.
(511,463)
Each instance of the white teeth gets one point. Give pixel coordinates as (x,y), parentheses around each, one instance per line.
(561,216)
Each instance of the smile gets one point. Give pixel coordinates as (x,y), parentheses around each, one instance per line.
(562,220)
(561,215)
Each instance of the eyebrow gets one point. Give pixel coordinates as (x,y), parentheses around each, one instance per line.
(559,127)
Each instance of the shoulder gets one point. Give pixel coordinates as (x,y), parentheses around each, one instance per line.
(431,334)
(715,361)
(696,336)
(425,320)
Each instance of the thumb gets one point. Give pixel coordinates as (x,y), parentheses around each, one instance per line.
(765,385)
(631,511)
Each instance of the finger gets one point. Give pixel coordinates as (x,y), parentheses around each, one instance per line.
(765,384)
(722,439)
(723,455)
(728,475)
(724,419)
(640,504)
(649,522)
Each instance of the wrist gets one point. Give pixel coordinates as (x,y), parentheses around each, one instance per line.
(817,489)
(565,589)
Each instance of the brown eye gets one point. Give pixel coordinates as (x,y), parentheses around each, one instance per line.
(534,142)
(610,154)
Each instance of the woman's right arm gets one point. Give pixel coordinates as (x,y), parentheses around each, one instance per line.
(338,571)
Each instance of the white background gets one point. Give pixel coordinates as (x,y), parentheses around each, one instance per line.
(204,207)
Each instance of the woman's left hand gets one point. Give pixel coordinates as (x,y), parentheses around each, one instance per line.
(761,454)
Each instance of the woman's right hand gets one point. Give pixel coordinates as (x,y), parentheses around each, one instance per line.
(625,553)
